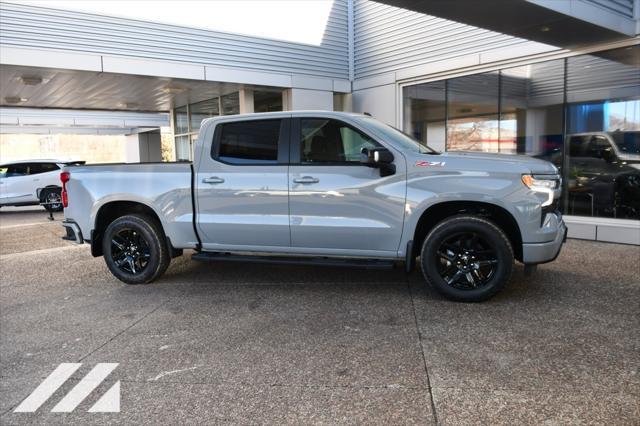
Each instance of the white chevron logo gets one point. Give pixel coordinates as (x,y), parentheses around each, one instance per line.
(108,403)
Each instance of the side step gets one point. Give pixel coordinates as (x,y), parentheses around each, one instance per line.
(292,260)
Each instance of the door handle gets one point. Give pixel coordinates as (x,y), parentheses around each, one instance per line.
(213,180)
(306,179)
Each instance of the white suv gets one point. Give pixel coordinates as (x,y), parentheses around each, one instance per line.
(31,182)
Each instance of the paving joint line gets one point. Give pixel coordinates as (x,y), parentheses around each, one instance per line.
(424,359)
(129,327)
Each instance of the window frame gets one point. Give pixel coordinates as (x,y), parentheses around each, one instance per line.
(296,157)
(282,147)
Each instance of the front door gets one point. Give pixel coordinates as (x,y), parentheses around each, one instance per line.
(337,205)
(16,184)
(241,187)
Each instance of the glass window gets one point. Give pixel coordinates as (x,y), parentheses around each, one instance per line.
(425,113)
(266,101)
(37,168)
(330,141)
(472,111)
(183,148)
(181,120)
(3,171)
(14,170)
(531,102)
(202,110)
(231,104)
(603,124)
(250,142)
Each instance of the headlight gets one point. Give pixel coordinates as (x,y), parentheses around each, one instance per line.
(544,184)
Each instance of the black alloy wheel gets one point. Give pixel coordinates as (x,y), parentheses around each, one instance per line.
(466,261)
(467,258)
(130,251)
(135,249)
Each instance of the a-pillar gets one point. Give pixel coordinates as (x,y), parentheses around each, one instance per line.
(144,147)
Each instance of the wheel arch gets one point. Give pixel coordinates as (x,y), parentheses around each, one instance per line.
(493,212)
(111,211)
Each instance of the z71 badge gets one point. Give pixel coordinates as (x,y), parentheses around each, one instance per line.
(430,163)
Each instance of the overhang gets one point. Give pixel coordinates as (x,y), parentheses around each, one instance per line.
(562,23)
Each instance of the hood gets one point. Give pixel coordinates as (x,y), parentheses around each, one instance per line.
(488,161)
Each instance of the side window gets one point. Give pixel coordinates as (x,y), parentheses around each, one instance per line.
(330,141)
(597,145)
(15,170)
(578,146)
(37,168)
(249,142)
(3,171)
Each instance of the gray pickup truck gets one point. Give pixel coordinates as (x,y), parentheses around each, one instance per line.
(326,188)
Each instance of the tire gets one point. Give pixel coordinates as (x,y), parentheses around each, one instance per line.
(135,250)
(466,258)
(51,195)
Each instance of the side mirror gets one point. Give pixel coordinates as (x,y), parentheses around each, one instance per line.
(607,155)
(380,158)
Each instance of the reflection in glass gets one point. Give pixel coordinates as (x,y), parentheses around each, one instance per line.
(424,113)
(201,110)
(531,99)
(231,104)
(267,101)
(181,120)
(603,132)
(472,110)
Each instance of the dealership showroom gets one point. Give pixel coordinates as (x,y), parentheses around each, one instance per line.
(106,82)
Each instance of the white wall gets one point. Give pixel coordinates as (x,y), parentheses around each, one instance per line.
(378,101)
(301,99)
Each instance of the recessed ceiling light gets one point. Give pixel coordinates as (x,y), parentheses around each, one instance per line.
(545,29)
(14,100)
(33,80)
(173,90)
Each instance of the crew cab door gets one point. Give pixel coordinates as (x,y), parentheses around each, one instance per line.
(241,186)
(338,205)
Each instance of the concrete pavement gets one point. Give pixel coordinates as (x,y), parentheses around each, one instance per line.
(245,343)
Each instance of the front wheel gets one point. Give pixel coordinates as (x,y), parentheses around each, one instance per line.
(134,249)
(467,258)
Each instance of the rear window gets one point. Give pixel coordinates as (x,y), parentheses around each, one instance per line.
(249,142)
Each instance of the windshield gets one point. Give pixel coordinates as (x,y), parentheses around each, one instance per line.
(627,142)
(397,137)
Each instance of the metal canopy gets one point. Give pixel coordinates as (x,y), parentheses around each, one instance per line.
(527,20)
(56,121)
(26,86)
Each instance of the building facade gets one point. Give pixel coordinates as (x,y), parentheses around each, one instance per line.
(557,80)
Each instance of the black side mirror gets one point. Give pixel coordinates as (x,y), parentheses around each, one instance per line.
(607,155)
(380,158)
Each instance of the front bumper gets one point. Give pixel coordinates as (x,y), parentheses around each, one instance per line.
(534,253)
(73,231)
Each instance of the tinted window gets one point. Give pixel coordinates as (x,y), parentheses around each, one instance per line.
(36,168)
(250,142)
(330,141)
(14,170)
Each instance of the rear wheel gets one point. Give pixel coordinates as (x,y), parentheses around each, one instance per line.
(467,258)
(135,250)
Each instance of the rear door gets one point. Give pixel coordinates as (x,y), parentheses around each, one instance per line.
(241,186)
(15,184)
(338,205)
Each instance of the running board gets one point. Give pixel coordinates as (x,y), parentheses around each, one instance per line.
(291,260)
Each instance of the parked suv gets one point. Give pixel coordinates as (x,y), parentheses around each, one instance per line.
(31,182)
(326,188)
